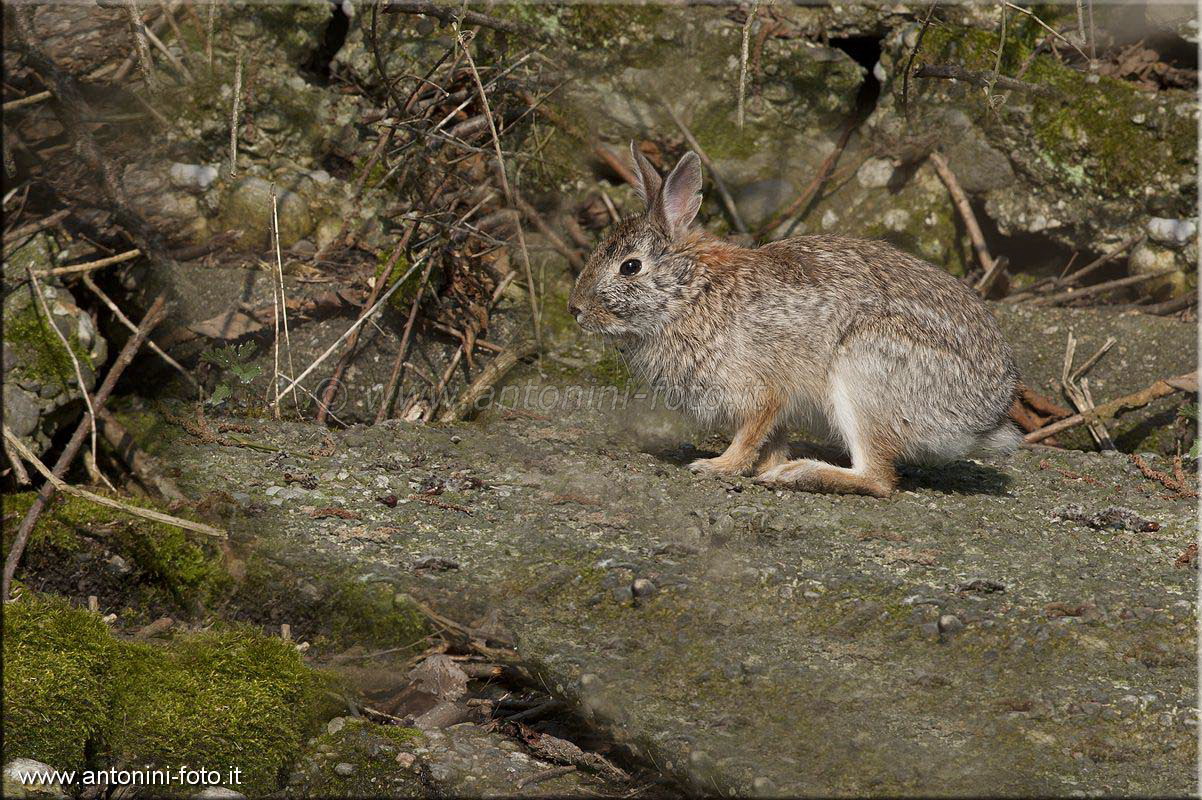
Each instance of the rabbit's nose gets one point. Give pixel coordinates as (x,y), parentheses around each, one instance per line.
(574,310)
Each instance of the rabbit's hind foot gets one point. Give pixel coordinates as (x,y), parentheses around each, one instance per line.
(720,466)
(808,475)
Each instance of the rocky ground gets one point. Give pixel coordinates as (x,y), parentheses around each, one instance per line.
(1022,626)
(542,599)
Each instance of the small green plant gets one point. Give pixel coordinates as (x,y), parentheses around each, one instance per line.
(233,360)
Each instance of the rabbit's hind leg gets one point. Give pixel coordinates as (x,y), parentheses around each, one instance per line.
(741,457)
(872,456)
(774,452)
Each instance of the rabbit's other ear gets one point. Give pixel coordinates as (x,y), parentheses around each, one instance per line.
(680,198)
(647,180)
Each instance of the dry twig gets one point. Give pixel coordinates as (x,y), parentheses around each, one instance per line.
(502,173)
(128,323)
(91,266)
(960,200)
(1161,388)
(487,378)
(981,79)
(755,7)
(371,311)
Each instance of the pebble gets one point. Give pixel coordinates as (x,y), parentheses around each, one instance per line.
(1171,231)
(950,623)
(199,176)
(623,594)
(335,725)
(219,793)
(642,587)
(764,787)
(344,769)
(405,760)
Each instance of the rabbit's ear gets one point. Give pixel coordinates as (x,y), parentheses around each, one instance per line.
(680,198)
(647,180)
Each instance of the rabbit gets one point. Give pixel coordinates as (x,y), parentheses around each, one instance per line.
(885,354)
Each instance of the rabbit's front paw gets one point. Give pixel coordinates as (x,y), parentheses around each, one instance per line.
(717,466)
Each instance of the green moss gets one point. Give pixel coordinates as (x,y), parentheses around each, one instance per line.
(76,696)
(56,661)
(40,353)
(402,298)
(373,615)
(976,49)
(220,699)
(601,25)
(1107,135)
(50,534)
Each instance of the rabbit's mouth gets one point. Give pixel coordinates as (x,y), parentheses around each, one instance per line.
(600,321)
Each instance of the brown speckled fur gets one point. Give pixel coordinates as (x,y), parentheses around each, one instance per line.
(877,350)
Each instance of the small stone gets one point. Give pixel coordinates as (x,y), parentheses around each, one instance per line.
(118,565)
(456,439)
(764,787)
(219,793)
(405,760)
(950,623)
(875,173)
(623,594)
(23,778)
(335,725)
(700,760)
(344,769)
(642,587)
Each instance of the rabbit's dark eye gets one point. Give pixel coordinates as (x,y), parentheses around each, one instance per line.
(630,266)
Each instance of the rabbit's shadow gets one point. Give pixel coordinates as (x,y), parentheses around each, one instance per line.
(957,477)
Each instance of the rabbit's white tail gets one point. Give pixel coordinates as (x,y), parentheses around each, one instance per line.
(1001,441)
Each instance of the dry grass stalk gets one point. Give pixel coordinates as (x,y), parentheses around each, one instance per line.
(66,488)
(755,7)
(234,110)
(36,287)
